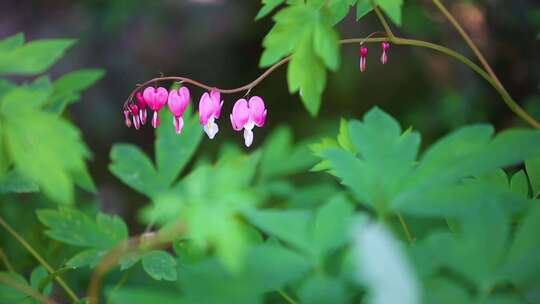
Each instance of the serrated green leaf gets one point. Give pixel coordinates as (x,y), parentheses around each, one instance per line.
(49,156)
(326,45)
(363,7)
(392,8)
(68,87)
(34,57)
(160,265)
(36,277)
(16,183)
(307,75)
(268,7)
(76,228)
(89,257)
(134,168)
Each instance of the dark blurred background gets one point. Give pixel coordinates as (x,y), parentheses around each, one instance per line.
(219,43)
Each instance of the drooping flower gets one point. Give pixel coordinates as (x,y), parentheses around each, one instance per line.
(210,110)
(142,107)
(247,114)
(363,55)
(178,102)
(127,119)
(155,99)
(384,56)
(134,109)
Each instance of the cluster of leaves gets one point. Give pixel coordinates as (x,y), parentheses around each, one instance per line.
(40,150)
(305,31)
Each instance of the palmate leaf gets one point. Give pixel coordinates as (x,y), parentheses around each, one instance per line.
(173,152)
(67,88)
(386,176)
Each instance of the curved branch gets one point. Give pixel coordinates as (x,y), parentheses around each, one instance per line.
(513,105)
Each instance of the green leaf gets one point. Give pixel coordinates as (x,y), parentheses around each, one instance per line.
(34,57)
(143,295)
(307,75)
(89,257)
(11,43)
(76,228)
(326,45)
(68,87)
(16,183)
(443,291)
(281,157)
(533,171)
(523,259)
(36,277)
(268,7)
(173,151)
(322,289)
(49,156)
(9,294)
(160,265)
(332,224)
(363,7)
(520,184)
(385,158)
(392,8)
(134,168)
(291,226)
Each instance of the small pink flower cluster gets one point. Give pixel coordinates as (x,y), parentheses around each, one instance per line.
(364,51)
(246,114)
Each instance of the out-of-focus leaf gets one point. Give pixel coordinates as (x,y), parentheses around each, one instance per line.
(268,7)
(16,183)
(9,294)
(519,184)
(322,289)
(160,265)
(143,295)
(326,45)
(11,43)
(363,7)
(36,277)
(392,8)
(383,267)
(68,87)
(89,257)
(49,156)
(34,57)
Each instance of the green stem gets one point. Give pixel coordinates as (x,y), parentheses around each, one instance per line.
(38,257)
(514,106)
(6,280)
(5,260)
(408,234)
(286,297)
(382,20)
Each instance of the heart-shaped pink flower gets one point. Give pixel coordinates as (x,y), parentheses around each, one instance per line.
(178,102)
(210,110)
(155,99)
(247,114)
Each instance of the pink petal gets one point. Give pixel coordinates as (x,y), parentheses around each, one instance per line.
(205,108)
(240,114)
(142,116)
(149,95)
(140,100)
(178,124)
(161,97)
(178,103)
(257,110)
(126,118)
(155,120)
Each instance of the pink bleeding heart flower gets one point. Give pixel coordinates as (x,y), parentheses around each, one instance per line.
(363,55)
(127,119)
(384,56)
(155,99)
(178,102)
(134,109)
(142,107)
(210,110)
(247,114)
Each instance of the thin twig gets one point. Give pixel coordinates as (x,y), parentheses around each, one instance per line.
(408,234)
(283,294)
(5,260)
(6,280)
(38,257)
